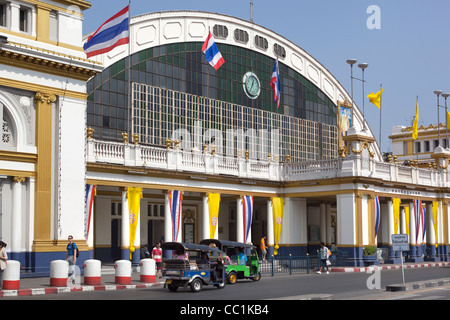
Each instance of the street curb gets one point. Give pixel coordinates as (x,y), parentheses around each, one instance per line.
(391,267)
(317,296)
(418,285)
(56,290)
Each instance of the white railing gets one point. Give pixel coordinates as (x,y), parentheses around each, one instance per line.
(131,155)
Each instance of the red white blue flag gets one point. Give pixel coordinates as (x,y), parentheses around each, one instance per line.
(419,217)
(248,215)
(175,212)
(275,84)
(91,192)
(113,33)
(212,53)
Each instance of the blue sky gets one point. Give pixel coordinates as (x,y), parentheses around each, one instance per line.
(409,55)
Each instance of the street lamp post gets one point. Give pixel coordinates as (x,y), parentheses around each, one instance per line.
(351,62)
(446,95)
(438,93)
(363,66)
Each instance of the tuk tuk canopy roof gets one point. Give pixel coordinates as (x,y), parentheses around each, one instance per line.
(183,247)
(225,243)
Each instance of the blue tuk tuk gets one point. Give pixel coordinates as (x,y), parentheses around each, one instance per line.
(192,265)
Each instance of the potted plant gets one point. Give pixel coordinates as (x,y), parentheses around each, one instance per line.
(370,255)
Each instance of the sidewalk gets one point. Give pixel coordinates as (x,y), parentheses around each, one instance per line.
(41,286)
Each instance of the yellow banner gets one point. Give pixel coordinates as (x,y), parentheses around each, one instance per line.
(396,205)
(278,206)
(214,204)
(407,219)
(435,220)
(134,196)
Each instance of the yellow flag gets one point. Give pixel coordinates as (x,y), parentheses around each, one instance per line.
(448,120)
(375,98)
(415,132)
(278,206)
(396,204)
(213,203)
(134,196)
(435,220)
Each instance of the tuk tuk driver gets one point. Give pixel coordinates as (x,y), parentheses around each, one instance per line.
(204,261)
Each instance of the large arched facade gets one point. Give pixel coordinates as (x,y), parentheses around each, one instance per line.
(162,120)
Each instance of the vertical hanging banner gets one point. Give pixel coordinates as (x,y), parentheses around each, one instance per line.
(134,196)
(418,216)
(377,214)
(396,205)
(213,204)
(247,202)
(435,209)
(407,219)
(278,206)
(175,198)
(91,192)
(424,218)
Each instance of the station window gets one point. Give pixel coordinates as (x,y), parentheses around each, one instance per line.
(241,35)
(24,19)
(279,51)
(220,31)
(53,36)
(2,15)
(261,42)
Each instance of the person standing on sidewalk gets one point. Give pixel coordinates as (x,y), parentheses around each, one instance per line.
(263,248)
(157,256)
(323,258)
(3,259)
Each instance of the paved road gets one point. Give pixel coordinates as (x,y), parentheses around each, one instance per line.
(343,286)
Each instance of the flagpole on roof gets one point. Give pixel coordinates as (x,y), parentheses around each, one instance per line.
(129,130)
(381,108)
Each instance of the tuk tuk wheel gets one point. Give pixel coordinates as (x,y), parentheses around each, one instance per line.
(220,285)
(196,285)
(172,287)
(232,277)
(257,277)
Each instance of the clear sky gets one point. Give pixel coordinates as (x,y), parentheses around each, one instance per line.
(408,55)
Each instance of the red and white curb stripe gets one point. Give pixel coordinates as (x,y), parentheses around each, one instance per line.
(55,290)
(389,267)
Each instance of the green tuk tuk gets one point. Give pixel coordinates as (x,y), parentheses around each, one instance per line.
(243,259)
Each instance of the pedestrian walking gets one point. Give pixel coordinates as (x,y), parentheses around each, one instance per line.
(71,253)
(3,261)
(324,254)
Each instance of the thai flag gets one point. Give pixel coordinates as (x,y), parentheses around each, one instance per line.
(377,214)
(212,53)
(91,192)
(418,214)
(113,33)
(424,214)
(248,215)
(275,84)
(175,212)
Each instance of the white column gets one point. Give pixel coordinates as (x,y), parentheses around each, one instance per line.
(16,219)
(167,219)
(402,220)
(270,236)
(205,218)
(125,221)
(323,225)
(328,224)
(412,225)
(239,220)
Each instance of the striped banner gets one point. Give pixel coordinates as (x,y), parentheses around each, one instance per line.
(91,192)
(175,212)
(377,214)
(418,216)
(248,215)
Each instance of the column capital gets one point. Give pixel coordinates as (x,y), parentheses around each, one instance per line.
(44,97)
(19,179)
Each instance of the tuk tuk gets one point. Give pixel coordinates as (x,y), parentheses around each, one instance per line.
(244,261)
(193,265)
